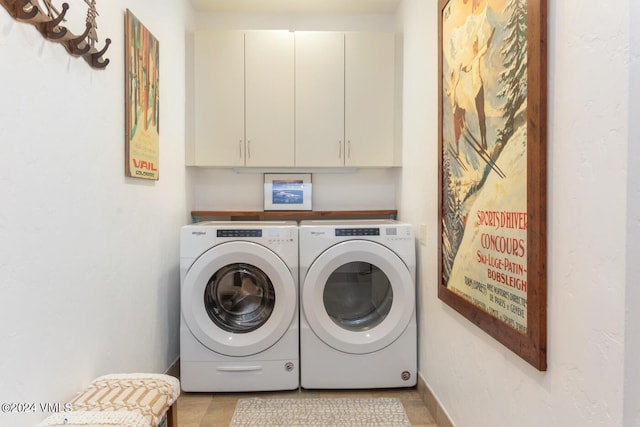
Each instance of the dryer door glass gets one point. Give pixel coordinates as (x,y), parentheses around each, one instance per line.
(358,296)
(239,298)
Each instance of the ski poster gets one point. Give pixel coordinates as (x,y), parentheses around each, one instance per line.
(484,153)
(142,100)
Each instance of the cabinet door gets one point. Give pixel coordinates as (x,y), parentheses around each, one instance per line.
(369,99)
(319,98)
(269,97)
(219,98)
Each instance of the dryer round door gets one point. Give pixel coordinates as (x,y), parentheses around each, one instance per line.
(358,296)
(238,298)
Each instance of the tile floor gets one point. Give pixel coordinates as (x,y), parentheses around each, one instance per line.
(216,409)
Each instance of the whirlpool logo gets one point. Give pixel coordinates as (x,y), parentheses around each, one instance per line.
(198,233)
(318,233)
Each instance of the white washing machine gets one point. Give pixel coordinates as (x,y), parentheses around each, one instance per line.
(357,304)
(239,302)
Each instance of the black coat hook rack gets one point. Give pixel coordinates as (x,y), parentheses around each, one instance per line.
(48,20)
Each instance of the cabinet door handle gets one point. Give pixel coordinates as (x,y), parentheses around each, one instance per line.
(349,149)
(240,149)
(248,148)
(340,150)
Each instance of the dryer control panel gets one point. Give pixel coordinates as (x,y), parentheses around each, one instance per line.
(388,233)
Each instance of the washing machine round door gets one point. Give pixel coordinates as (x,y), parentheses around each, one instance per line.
(358,296)
(238,298)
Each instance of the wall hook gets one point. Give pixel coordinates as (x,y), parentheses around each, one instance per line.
(78,46)
(96,57)
(52,29)
(24,10)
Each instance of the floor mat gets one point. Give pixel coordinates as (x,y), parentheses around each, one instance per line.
(338,412)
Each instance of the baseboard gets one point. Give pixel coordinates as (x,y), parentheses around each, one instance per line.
(433,405)
(174,369)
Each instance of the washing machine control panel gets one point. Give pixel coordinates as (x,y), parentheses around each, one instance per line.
(239,233)
(272,236)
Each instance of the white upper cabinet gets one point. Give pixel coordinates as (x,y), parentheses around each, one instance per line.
(219,98)
(319,98)
(244,98)
(369,99)
(303,99)
(345,99)
(269,97)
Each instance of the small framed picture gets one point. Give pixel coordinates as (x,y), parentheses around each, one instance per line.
(287,191)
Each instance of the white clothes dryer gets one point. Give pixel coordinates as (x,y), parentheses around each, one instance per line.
(239,303)
(357,304)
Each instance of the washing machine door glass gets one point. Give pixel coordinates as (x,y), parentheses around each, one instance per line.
(358,296)
(239,298)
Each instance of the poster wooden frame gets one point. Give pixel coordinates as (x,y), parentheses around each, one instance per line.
(532,344)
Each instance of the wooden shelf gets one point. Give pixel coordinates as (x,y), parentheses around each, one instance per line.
(295,215)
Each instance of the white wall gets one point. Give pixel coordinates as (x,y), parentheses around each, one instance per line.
(333,189)
(226,189)
(632,323)
(89,279)
(478,381)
